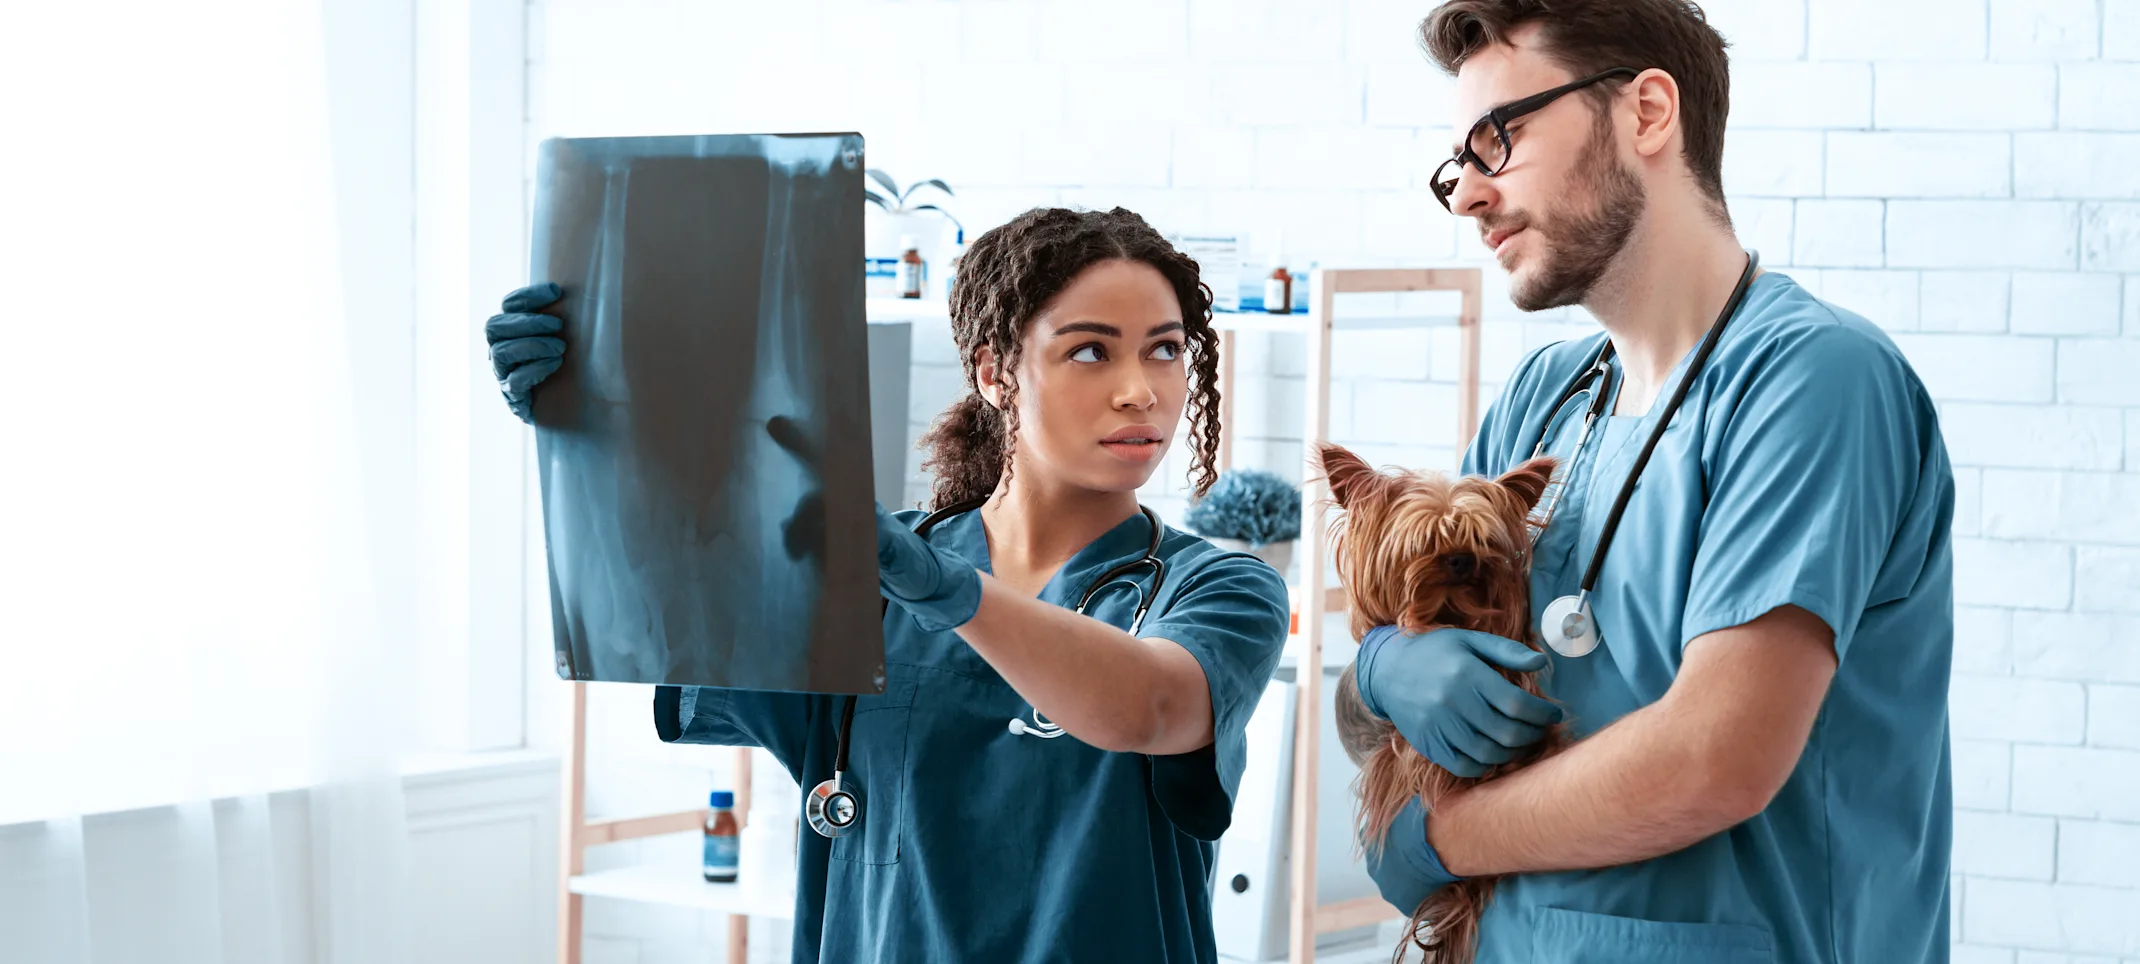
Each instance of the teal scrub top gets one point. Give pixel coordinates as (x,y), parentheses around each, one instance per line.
(1804,468)
(980,845)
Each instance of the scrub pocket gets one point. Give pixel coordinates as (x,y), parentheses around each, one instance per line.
(877,765)
(1576,937)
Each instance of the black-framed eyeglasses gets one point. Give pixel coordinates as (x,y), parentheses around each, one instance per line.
(1486,147)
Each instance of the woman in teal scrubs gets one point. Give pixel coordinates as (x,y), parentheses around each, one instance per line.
(981,839)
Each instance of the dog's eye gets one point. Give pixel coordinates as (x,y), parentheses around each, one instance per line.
(1462,566)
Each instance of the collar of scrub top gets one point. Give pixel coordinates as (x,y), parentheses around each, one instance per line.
(1040,726)
(1566,621)
(1149,560)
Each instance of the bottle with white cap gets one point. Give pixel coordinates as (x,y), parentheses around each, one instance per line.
(1278,285)
(910,267)
(1278,288)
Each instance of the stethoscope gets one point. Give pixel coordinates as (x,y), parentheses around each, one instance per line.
(835,809)
(1567,624)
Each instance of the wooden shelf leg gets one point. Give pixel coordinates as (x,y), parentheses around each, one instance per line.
(1227,340)
(1308,672)
(739,924)
(1467,383)
(571,855)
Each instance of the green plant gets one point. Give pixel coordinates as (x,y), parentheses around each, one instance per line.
(1250,505)
(895,201)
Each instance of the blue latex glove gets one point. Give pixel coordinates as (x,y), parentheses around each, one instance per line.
(1442,693)
(940,589)
(524,347)
(1405,868)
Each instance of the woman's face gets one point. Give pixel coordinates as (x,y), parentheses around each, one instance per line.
(1102,382)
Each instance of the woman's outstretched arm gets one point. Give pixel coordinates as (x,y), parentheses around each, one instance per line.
(1104,686)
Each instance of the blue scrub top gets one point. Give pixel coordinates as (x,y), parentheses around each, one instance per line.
(978,845)
(1804,468)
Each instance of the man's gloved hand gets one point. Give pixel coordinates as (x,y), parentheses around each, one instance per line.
(1405,867)
(941,589)
(524,347)
(1441,691)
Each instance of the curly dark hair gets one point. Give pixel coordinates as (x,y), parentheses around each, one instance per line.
(1008,275)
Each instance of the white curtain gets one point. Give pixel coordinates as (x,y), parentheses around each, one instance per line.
(205,495)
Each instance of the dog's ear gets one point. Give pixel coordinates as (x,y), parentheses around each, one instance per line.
(1347,474)
(1528,481)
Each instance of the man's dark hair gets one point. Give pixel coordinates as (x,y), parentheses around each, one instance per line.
(1588,36)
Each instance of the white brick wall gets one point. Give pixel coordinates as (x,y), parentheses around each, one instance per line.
(1964,96)
(2062,303)
(2003,845)
(1982,234)
(2107,579)
(1965,173)
(1886,164)
(2114,719)
(2110,235)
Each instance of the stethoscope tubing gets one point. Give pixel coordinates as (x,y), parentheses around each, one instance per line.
(1596,378)
(1041,727)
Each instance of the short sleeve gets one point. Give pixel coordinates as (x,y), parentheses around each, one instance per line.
(779,722)
(1809,482)
(1231,614)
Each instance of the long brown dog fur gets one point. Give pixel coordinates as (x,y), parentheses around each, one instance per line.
(1422,551)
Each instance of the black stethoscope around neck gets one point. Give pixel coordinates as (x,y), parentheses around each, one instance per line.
(1567,624)
(834,809)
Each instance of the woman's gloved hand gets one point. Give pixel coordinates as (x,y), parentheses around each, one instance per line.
(1405,868)
(940,589)
(524,347)
(1443,694)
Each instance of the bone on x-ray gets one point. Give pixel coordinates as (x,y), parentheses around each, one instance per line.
(705,450)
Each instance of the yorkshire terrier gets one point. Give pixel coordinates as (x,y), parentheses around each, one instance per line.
(1421,551)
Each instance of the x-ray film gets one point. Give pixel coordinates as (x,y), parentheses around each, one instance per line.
(705,450)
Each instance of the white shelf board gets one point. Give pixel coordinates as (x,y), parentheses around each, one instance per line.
(687,887)
(907,309)
(922,309)
(1298,321)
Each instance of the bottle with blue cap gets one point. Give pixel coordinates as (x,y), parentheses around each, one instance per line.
(722,838)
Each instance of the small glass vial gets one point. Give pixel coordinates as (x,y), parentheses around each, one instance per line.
(1278,290)
(910,267)
(723,838)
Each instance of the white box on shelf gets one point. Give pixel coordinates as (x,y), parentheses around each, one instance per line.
(1218,260)
(880,277)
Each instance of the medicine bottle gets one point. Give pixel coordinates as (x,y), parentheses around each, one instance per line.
(722,838)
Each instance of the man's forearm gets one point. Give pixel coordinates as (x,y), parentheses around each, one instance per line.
(1637,789)
(1709,754)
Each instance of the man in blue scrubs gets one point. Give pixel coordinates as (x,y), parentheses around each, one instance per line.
(1761,765)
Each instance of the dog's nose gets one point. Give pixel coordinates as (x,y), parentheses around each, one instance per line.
(1462,566)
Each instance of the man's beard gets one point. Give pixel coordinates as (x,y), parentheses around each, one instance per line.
(1580,246)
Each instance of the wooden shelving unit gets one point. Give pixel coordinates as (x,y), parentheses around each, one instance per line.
(653,885)
(1312,599)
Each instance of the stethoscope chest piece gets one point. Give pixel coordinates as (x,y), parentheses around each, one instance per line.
(833,810)
(1568,628)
